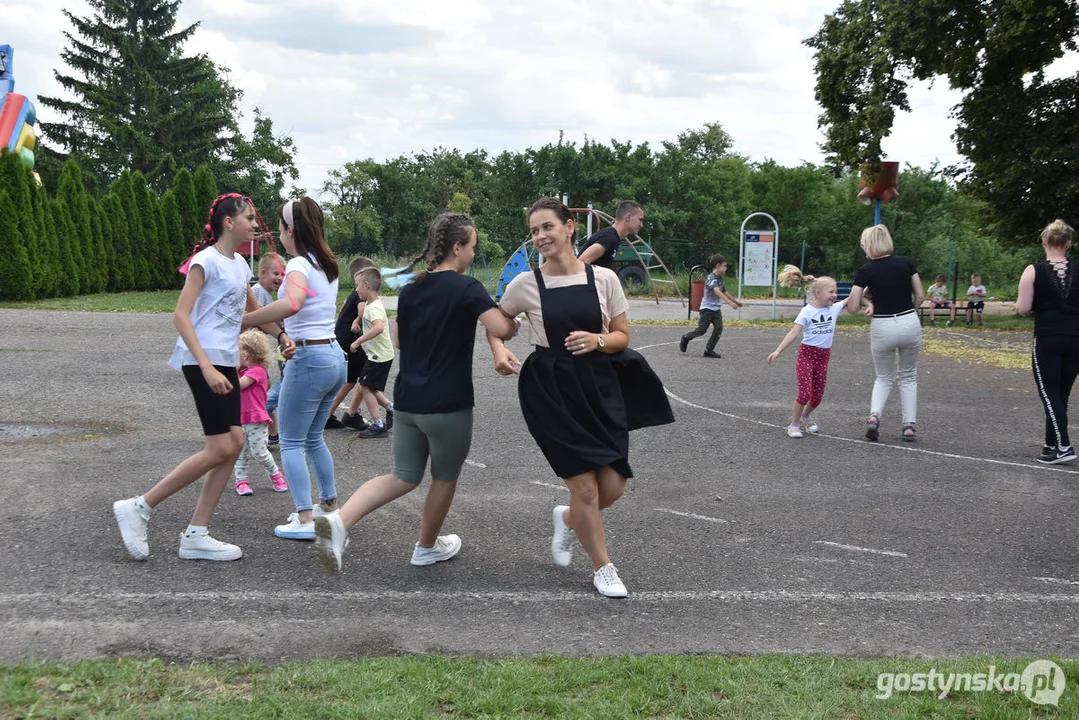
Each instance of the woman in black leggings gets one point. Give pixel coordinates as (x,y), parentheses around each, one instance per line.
(1050,290)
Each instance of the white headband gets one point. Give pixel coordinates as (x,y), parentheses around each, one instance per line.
(286,213)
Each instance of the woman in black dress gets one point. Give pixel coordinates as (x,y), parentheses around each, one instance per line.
(581,391)
(1050,289)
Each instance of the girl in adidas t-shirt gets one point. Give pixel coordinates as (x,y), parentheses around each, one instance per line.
(816,326)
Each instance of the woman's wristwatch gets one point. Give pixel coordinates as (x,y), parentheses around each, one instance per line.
(599,342)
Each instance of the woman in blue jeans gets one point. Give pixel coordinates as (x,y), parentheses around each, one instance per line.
(307,302)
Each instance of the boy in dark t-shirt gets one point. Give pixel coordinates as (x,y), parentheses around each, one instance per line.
(342,330)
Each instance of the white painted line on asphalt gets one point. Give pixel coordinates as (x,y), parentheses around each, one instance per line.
(864,443)
(691,515)
(335,597)
(855,548)
(550,485)
(1057,581)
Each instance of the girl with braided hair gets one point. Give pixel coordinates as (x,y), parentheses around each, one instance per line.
(307,302)
(433,395)
(208,318)
(582,390)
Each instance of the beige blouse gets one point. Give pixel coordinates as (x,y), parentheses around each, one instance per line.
(522,296)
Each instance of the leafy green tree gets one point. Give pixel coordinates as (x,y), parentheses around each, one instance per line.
(352,220)
(157,254)
(15,179)
(69,247)
(491,251)
(205,194)
(258,167)
(72,192)
(48,254)
(136,248)
(114,222)
(16,274)
(173,224)
(191,215)
(135,98)
(1016,130)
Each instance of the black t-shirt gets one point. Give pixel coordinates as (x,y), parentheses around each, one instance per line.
(608,238)
(436,326)
(1056,300)
(342,329)
(888,280)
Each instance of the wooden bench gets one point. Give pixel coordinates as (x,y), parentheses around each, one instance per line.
(959,305)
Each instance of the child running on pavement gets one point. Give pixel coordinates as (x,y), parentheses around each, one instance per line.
(254,381)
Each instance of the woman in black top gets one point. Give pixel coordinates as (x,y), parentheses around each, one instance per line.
(1049,289)
(896,292)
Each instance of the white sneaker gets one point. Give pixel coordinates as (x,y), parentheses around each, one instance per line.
(810,424)
(562,541)
(331,539)
(200,546)
(794,431)
(133,515)
(445,547)
(295,530)
(608,583)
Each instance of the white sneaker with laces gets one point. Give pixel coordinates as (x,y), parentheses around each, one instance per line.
(200,546)
(562,540)
(445,547)
(608,583)
(295,530)
(331,539)
(133,515)
(794,431)
(810,424)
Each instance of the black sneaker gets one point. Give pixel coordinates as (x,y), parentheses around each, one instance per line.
(373,431)
(332,423)
(712,354)
(1056,457)
(683,343)
(356,422)
(389,419)
(273,441)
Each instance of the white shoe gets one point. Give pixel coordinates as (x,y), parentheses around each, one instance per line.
(445,547)
(810,424)
(133,515)
(562,540)
(200,546)
(295,530)
(794,431)
(331,539)
(608,583)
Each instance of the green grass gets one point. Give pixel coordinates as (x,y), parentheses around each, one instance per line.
(697,686)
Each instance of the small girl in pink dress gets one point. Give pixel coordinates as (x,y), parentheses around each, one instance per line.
(254,383)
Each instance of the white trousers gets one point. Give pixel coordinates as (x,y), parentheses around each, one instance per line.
(892,338)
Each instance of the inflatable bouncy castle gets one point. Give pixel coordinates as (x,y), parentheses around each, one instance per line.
(17,114)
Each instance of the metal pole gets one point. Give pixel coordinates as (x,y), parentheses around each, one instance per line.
(876,212)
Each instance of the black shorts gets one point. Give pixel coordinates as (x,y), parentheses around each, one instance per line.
(218,413)
(356,362)
(976,306)
(375,375)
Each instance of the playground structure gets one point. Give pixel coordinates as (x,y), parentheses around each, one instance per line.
(17,113)
(634,262)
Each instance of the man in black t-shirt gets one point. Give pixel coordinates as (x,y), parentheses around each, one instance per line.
(603,244)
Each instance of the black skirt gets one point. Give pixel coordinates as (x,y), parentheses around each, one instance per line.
(580,409)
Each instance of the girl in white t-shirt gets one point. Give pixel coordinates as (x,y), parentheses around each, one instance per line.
(307,302)
(815,325)
(208,317)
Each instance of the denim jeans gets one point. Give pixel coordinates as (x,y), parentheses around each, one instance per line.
(889,337)
(313,378)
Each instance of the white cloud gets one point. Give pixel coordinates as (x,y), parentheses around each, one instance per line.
(378,79)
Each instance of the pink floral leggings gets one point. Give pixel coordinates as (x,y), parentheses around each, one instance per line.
(812,368)
(255,437)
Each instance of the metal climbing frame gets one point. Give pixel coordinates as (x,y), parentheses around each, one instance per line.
(649,258)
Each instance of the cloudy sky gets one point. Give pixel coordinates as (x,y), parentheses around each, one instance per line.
(351,79)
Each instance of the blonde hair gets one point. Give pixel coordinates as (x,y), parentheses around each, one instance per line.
(791,276)
(267,261)
(253,342)
(371,276)
(1057,234)
(358,264)
(877,242)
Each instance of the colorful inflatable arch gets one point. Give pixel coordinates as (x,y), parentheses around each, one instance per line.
(17,114)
